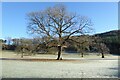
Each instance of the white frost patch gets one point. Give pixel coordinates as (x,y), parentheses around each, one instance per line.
(87,67)
(26,69)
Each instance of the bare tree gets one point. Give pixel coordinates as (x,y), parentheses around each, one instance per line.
(57,22)
(16,41)
(100,45)
(83,43)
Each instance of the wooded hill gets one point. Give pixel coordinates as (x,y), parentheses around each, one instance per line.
(112,40)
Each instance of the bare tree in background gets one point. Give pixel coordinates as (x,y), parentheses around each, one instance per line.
(100,45)
(57,22)
(83,43)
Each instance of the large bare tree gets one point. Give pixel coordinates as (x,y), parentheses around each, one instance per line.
(57,23)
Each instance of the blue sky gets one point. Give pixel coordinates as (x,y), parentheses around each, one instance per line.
(104,15)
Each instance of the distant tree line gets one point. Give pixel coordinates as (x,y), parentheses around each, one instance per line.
(109,42)
(78,44)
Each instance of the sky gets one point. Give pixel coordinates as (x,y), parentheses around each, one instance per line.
(104,15)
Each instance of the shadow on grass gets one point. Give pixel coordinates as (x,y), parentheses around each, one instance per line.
(38,59)
(117,74)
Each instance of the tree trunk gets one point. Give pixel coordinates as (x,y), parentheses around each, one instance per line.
(59,53)
(82,54)
(23,51)
(102,55)
(22,55)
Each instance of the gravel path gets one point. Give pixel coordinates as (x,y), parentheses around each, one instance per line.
(82,68)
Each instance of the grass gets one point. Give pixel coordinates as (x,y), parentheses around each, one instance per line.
(46,65)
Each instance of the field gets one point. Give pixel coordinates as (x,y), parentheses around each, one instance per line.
(45,66)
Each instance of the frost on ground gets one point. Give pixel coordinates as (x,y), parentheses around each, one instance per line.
(81,68)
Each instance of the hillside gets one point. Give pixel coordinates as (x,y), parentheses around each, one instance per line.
(112,40)
(110,33)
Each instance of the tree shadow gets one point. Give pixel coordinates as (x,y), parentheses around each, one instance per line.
(117,74)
